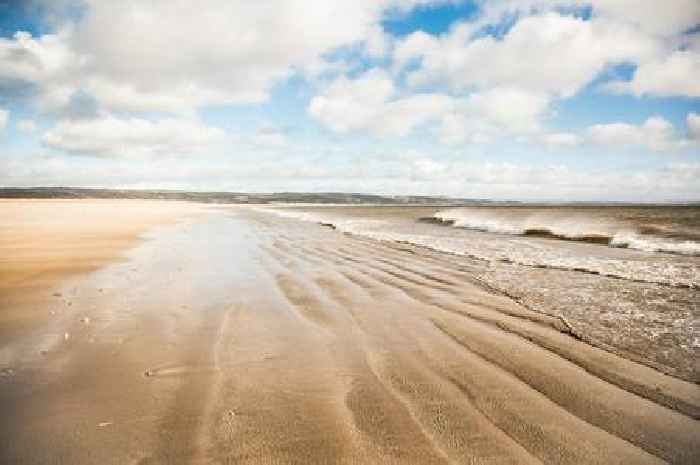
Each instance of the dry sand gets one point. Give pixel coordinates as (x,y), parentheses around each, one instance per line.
(241,337)
(45,241)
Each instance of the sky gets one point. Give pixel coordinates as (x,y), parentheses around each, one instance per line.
(523,100)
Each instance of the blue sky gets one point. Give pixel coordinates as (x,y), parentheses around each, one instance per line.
(532,99)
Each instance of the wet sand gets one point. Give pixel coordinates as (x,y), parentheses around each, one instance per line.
(241,337)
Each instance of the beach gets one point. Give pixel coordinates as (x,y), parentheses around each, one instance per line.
(168,332)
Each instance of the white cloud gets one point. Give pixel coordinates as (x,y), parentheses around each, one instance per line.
(168,55)
(510,82)
(114,137)
(672,18)
(656,134)
(693,122)
(367,104)
(457,129)
(660,18)
(370,103)
(401,116)
(348,105)
(482,117)
(561,140)
(26,125)
(510,108)
(674,71)
(545,53)
(415,46)
(44,67)
(548,51)
(29,59)
(378,42)
(427,168)
(4,116)
(677,74)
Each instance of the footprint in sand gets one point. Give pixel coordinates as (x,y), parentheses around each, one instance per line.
(179,370)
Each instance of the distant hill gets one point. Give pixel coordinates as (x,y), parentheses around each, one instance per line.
(229,197)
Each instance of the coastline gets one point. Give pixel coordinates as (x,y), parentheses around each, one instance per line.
(246,337)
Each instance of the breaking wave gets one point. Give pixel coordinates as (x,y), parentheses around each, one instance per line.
(656,268)
(579,228)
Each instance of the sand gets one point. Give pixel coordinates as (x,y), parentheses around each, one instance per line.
(235,336)
(45,241)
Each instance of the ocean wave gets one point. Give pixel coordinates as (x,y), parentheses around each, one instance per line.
(571,228)
(657,271)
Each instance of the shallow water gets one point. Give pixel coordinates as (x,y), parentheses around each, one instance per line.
(627,277)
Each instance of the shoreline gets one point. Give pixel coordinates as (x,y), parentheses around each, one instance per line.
(569,328)
(241,336)
(502,275)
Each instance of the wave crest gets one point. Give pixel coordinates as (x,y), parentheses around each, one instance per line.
(579,228)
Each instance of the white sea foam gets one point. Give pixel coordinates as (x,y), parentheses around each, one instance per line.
(510,244)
